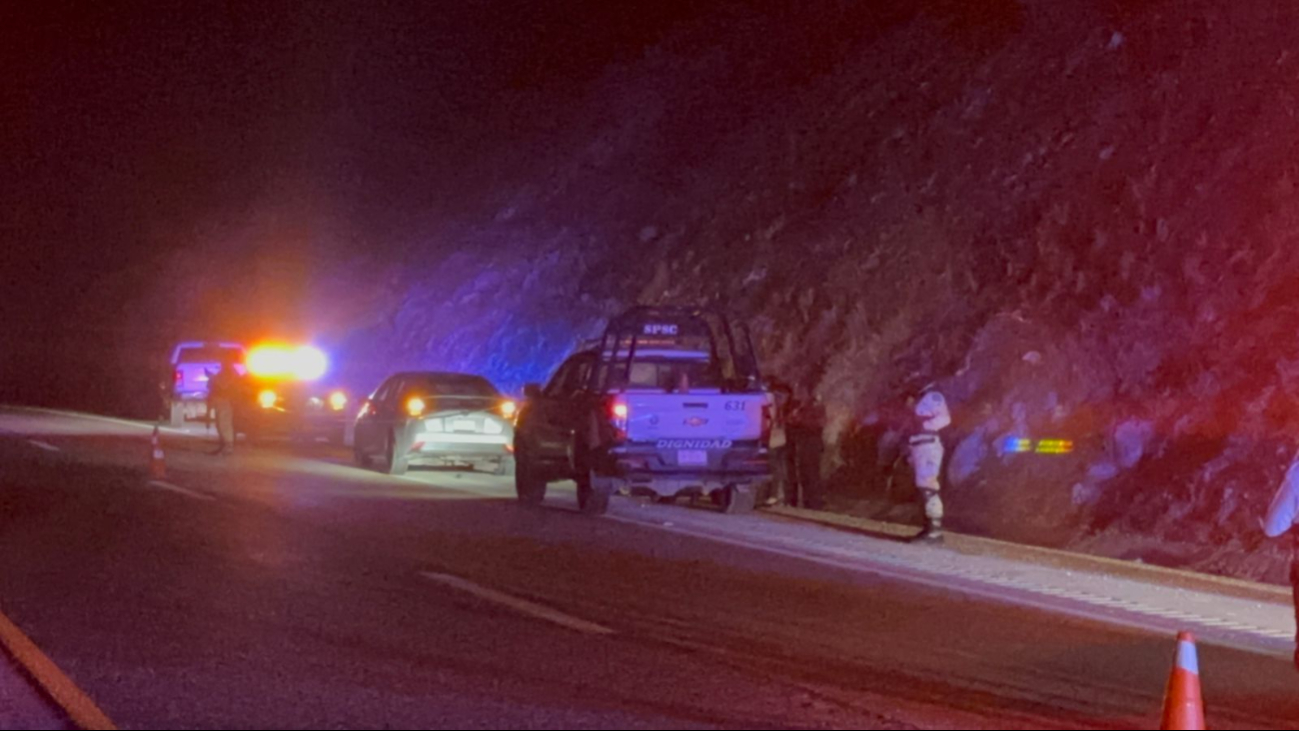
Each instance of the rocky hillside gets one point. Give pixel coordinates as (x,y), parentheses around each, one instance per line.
(1078,217)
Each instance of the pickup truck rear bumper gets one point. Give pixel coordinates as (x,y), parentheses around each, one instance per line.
(667,470)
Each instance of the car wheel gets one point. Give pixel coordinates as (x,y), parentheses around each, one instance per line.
(737,499)
(395,460)
(592,494)
(528,485)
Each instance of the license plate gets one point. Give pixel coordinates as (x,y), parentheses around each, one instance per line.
(464,425)
(692,458)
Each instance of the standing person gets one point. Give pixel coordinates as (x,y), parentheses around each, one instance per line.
(1281,517)
(778,452)
(805,433)
(223,391)
(926,452)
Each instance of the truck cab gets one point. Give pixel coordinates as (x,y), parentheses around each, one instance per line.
(667,404)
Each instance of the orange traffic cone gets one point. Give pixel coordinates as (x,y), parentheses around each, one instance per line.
(1183,704)
(157,460)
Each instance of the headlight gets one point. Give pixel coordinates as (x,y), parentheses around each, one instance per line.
(338,401)
(267,399)
(415,406)
(508,409)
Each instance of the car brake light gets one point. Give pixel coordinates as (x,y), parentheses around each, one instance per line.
(180,376)
(618,416)
(415,406)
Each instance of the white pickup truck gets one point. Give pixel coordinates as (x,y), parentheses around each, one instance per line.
(666,404)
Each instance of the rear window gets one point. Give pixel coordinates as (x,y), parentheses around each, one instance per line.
(667,374)
(210,354)
(456,386)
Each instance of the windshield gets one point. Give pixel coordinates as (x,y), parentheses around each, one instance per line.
(667,374)
(456,385)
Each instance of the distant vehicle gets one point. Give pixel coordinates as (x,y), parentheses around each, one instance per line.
(436,419)
(667,403)
(290,395)
(185,398)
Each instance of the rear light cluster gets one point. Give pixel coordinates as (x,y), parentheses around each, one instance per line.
(416,406)
(180,376)
(509,409)
(619,412)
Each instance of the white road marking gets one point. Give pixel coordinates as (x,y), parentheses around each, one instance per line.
(105,419)
(522,606)
(181,490)
(43,445)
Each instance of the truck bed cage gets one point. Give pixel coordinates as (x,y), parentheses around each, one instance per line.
(730,348)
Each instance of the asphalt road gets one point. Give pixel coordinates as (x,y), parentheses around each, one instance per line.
(282,587)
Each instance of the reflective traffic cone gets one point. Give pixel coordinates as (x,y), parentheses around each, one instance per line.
(157,460)
(1183,704)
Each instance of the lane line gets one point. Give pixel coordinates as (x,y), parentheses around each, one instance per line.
(56,685)
(96,417)
(180,490)
(522,606)
(43,445)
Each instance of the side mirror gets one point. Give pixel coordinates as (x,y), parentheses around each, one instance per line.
(532,391)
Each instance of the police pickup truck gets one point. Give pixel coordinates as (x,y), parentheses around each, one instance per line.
(667,403)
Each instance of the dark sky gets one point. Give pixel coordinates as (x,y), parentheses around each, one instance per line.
(199,128)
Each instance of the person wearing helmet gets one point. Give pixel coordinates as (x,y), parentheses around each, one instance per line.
(926,455)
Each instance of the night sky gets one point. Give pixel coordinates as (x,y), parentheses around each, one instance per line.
(141,134)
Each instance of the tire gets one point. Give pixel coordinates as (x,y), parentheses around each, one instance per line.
(737,500)
(592,494)
(176,414)
(394,464)
(528,485)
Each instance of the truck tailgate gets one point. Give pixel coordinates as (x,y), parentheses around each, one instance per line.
(654,416)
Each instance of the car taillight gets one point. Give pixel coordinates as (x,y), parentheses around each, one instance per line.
(180,376)
(619,412)
(416,406)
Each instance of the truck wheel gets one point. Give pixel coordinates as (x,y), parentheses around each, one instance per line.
(737,499)
(528,485)
(176,415)
(592,494)
(395,460)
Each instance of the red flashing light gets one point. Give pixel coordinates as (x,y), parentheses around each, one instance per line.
(618,416)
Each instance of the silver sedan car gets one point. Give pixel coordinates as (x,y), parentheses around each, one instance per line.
(436,419)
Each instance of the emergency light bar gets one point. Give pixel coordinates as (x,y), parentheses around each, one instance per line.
(303,363)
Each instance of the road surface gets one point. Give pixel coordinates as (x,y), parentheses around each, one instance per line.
(284,588)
